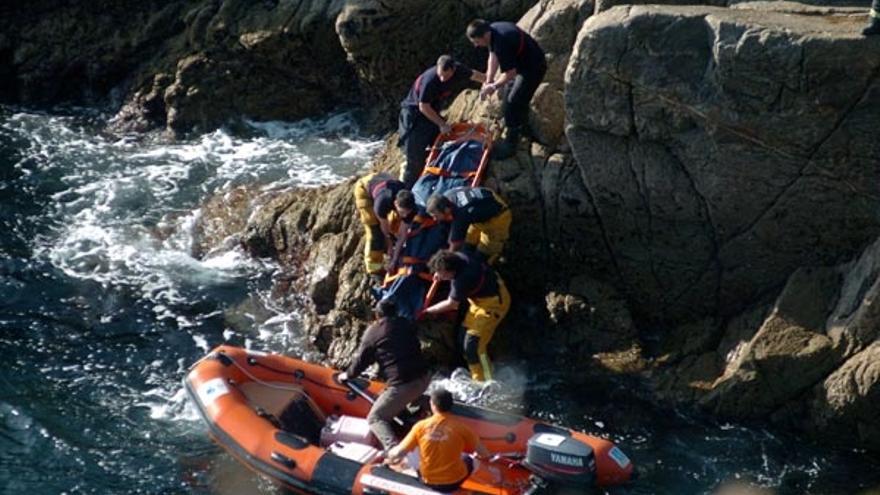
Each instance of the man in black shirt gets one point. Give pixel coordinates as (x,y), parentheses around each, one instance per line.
(521,61)
(420,121)
(478,217)
(392,343)
(874,15)
(488,300)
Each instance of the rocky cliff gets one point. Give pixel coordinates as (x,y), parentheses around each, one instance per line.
(196,65)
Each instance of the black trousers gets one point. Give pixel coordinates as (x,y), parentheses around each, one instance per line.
(516,109)
(417,134)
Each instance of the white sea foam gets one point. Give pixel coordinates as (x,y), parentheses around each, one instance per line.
(123,214)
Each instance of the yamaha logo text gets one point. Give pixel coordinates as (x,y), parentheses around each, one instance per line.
(567,460)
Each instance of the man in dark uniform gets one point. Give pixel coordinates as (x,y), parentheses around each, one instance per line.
(488,303)
(520,61)
(374,198)
(478,217)
(392,343)
(420,120)
(874,24)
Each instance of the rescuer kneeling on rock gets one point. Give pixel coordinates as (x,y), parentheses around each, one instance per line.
(488,299)
(478,217)
(374,198)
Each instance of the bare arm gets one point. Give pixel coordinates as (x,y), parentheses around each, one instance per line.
(489,88)
(505,78)
(482,451)
(397,452)
(442,307)
(432,115)
(478,76)
(491,67)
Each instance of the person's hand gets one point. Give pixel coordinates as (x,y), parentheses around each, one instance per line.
(394,455)
(343,377)
(487,90)
(445,128)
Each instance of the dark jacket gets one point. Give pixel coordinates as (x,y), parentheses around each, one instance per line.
(392,343)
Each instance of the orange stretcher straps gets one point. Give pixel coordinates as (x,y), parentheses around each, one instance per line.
(445,173)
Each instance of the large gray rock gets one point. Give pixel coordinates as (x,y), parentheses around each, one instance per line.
(811,363)
(242,59)
(177,64)
(723,149)
(789,355)
(844,407)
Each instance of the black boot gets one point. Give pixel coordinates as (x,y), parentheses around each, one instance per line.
(507,147)
(873,28)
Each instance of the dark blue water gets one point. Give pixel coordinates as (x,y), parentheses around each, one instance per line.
(102,309)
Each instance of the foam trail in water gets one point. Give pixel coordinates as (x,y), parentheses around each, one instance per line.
(505,392)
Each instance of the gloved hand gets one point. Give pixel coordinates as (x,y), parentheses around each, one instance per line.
(343,377)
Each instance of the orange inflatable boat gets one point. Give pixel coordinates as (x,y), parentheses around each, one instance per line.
(295,423)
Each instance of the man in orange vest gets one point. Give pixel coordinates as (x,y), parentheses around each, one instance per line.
(442,441)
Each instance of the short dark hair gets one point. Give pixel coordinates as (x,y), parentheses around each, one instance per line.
(437,204)
(442,399)
(386,308)
(477,28)
(406,199)
(445,63)
(447,261)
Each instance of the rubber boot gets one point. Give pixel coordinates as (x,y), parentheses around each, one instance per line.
(873,28)
(487,366)
(507,147)
(476,372)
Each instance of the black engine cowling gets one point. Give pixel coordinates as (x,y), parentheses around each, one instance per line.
(561,459)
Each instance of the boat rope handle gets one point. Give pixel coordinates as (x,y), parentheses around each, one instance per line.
(299,374)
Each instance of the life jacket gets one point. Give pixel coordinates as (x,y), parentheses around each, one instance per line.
(462,197)
(378,183)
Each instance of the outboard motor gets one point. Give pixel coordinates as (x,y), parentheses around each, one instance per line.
(559,460)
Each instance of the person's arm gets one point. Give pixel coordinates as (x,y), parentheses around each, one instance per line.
(408,443)
(482,451)
(473,443)
(477,76)
(442,307)
(432,115)
(458,230)
(491,67)
(364,357)
(490,88)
